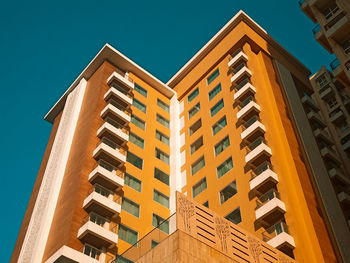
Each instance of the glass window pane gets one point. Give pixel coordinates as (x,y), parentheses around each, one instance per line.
(197,165)
(224,167)
(163,120)
(162,137)
(234,216)
(130,207)
(160,223)
(193,95)
(138,104)
(154,243)
(195,126)
(136,140)
(140,90)
(133,182)
(161,198)
(138,122)
(213,76)
(214,91)
(196,145)
(128,235)
(194,110)
(219,125)
(163,105)
(162,156)
(199,187)
(161,176)
(221,146)
(229,191)
(134,160)
(217,107)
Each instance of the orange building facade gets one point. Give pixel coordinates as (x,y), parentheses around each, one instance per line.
(228,130)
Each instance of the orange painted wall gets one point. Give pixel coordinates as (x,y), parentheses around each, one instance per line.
(306,225)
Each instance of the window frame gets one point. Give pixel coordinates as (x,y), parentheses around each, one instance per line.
(166,120)
(136,156)
(216,105)
(204,179)
(217,86)
(164,195)
(138,87)
(130,175)
(195,91)
(222,202)
(221,164)
(160,102)
(131,134)
(210,78)
(139,104)
(133,116)
(222,141)
(132,202)
(197,161)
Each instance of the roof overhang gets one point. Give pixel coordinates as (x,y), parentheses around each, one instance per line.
(110,54)
(240,16)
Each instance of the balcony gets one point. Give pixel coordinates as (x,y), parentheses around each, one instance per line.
(344,197)
(247,109)
(338,175)
(305,7)
(110,152)
(336,116)
(328,152)
(263,178)
(237,57)
(336,67)
(243,89)
(269,207)
(345,144)
(326,92)
(97,232)
(118,93)
(108,176)
(122,80)
(278,236)
(336,25)
(321,38)
(323,135)
(239,72)
(306,99)
(117,110)
(69,255)
(257,152)
(252,129)
(113,130)
(314,116)
(102,201)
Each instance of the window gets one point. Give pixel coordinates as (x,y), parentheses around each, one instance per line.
(228,192)
(142,107)
(332,102)
(194,110)
(162,156)
(161,198)
(346,46)
(199,187)
(91,251)
(197,165)
(131,207)
(134,160)
(234,216)
(138,122)
(161,176)
(322,80)
(217,107)
(132,182)
(195,126)
(222,145)
(206,204)
(214,91)
(163,105)
(128,235)
(121,259)
(193,95)
(154,243)
(160,223)
(219,125)
(97,219)
(223,168)
(163,120)
(196,145)
(162,137)
(213,76)
(136,140)
(140,90)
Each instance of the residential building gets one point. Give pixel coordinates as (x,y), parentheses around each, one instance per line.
(228,130)
(332,31)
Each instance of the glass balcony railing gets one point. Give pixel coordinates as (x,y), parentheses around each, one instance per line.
(246,102)
(101,221)
(235,53)
(271,194)
(112,145)
(316,29)
(105,192)
(260,169)
(250,122)
(242,83)
(256,143)
(274,231)
(90,251)
(119,106)
(238,68)
(122,90)
(334,64)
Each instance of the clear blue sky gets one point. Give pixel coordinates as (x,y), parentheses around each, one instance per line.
(46,44)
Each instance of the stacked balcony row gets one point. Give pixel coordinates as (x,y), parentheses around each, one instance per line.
(270,209)
(98,231)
